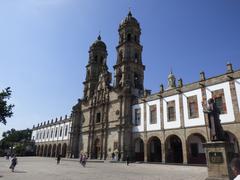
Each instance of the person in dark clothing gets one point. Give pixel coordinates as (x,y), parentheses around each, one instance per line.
(58,158)
(13,163)
(113,156)
(119,156)
(127,159)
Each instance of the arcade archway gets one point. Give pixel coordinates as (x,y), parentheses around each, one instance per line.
(195,151)
(54,150)
(154,150)
(139,149)
(174,153)
(64,150)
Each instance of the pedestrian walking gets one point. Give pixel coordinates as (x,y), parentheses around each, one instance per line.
(81,157)
(13,163)
(113,155)
(127,159)
(84,160)
(58,158)
(119,156)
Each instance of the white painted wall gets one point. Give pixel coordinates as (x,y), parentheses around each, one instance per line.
(49,129)
(139,128)
(195,121)
(157,126)
(237,84)
(229,117)
(172,124)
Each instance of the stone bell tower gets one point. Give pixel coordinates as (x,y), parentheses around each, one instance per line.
(95,66)
(129,70)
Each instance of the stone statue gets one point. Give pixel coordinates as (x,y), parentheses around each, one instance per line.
(216,130)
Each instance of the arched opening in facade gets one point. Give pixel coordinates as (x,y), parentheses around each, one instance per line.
(38,150)
(54,150)
(195,151)
(139,149)
(174,153)
(230,137)
(41,151)
(49,150)
(154,150)
(97,149)
(45,150)
(59,149)
(64,150)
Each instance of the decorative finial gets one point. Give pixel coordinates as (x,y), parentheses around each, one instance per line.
(229,67)
(99,37)
(129,11)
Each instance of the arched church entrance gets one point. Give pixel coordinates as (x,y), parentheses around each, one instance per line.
(174,153)
(97,149)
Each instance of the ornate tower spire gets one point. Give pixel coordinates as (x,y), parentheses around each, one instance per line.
(129,70)
(171,80)
(96,65)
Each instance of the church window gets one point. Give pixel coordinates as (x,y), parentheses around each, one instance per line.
(95,58)
(129,37)
(43,134)
(47,133)
(56,132)
(115,145)
(66,130)
(101,60)
(135,38)
(137,119)
(98,117)
(219,98)
(60,134)
(153,114)
(136,58)
(192,107)
(51,133)
(120,56)
(136,80)
(37,136)
(171,114)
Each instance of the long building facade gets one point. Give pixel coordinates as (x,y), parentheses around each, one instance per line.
(123,117)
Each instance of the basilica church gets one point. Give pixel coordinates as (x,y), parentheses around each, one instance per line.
(116,114)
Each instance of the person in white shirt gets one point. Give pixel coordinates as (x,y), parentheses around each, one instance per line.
(235,166)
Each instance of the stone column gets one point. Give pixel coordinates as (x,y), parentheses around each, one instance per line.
(145,131)
(184,150)
(162,129)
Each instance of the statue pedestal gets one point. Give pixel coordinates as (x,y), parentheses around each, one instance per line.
(218,156)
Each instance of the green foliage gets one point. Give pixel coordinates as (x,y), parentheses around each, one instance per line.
(5,109)
(18,142)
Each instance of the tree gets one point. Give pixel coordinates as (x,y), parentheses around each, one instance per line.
(5,109)
(17,141)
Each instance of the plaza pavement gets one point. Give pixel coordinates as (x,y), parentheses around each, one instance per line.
(38,168)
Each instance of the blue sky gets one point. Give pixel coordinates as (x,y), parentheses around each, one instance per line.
(44,46)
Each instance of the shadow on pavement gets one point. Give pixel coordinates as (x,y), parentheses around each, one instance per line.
(20,171)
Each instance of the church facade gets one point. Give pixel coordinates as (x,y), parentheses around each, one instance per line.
(123,117)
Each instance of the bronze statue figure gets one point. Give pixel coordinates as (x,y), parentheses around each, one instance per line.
(216,130)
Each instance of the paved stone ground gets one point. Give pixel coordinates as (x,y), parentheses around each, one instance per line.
(37,168)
